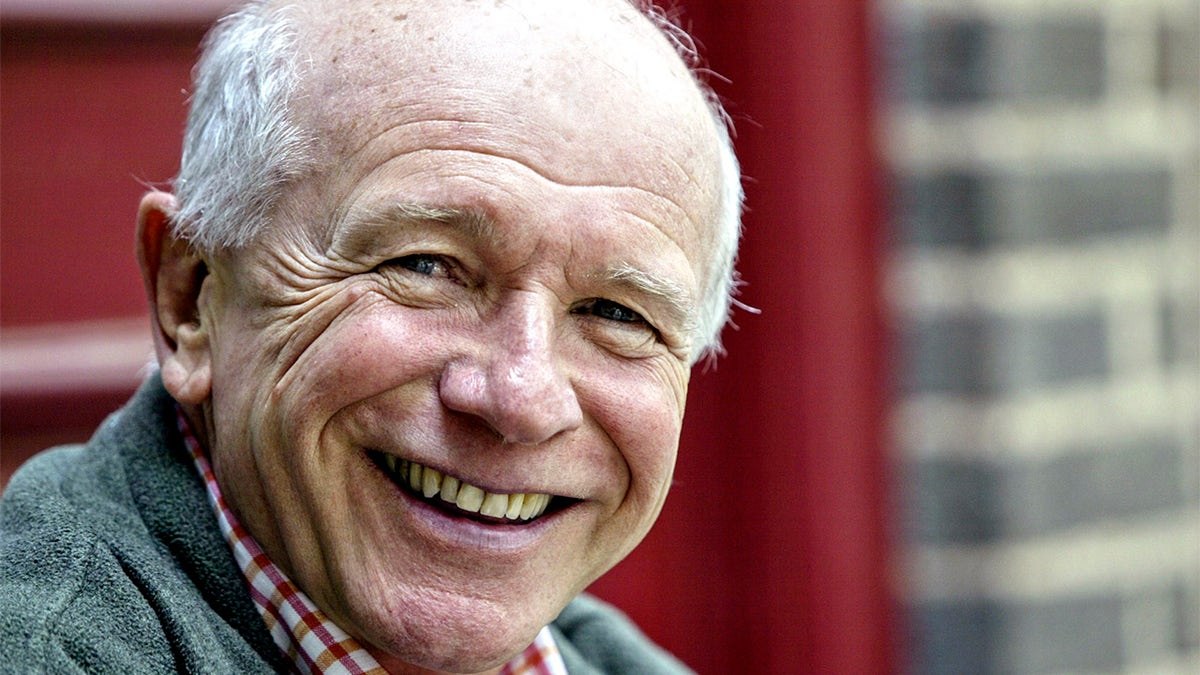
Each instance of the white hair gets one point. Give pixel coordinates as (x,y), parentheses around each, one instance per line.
(718,300)
(242,147)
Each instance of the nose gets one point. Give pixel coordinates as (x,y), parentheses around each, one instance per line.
(512,379)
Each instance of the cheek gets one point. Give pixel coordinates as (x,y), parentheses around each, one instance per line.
(367,349)
(642,420)
(642,414)
(279,386)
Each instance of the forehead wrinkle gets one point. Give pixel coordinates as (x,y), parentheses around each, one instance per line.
(482,149)
(426,128)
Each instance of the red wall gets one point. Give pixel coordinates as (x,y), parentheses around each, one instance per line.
(772,553)
(775,554)
(90,116)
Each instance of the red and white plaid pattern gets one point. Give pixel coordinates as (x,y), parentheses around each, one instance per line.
(313,642)
(539,658)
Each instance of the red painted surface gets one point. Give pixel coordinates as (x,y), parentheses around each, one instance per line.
(89,116)
(772,552)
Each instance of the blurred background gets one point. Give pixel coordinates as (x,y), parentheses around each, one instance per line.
(1044,281)
(963,435)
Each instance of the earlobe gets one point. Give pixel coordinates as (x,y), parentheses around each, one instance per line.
(173,274)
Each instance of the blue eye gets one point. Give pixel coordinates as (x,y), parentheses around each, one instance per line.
(607,309)
(420,263)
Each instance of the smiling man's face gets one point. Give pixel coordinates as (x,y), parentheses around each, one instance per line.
(447,385)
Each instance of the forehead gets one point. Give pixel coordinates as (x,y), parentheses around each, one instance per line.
(584,92)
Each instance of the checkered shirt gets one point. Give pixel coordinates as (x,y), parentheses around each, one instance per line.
(311,641)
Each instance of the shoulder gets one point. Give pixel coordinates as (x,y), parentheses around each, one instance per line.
(58,576)
(40,533)
(111,562)
(594,637)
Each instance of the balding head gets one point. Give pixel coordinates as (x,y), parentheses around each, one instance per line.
(450,264)
(273,72)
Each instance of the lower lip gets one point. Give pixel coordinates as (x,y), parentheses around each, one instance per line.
(464,533)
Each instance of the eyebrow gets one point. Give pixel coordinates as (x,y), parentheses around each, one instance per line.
(357,229)
(677,303)
(473,222)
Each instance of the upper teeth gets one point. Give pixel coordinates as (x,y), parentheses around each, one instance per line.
(431,482)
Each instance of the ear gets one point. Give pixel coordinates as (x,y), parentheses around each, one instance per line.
(173,274)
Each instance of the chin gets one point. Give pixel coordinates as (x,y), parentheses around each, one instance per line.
(442,654)
(458,636)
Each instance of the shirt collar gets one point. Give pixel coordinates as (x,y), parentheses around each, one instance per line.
(311,641)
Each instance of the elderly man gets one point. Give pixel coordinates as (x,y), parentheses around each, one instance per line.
(425,301)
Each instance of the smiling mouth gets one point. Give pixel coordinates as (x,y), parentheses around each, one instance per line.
(457,497)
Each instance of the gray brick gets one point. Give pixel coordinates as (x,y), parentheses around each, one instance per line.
(1150,621)
(954,638)
(1063,634)
(1178,62)
(1187,618)
(1049,61)
(955,60)
(978,354)
(978,209)
(946,354)
(989,636)
(1074,207)
(1092,486)
(954,501)
(974,501)
(938,60)
(1047,350)
(1180,331)
(943,209)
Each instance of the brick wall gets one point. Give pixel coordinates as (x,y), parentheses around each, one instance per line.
(1046,290)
